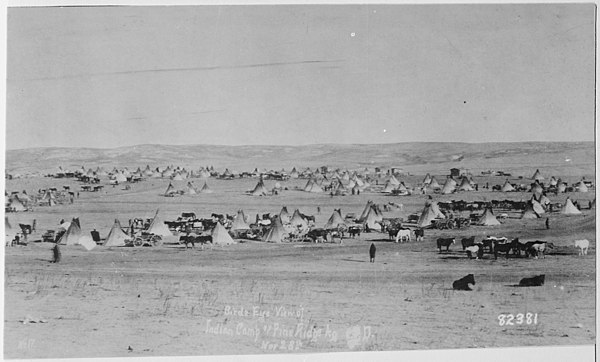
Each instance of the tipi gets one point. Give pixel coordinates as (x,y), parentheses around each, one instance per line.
(488,218)
(569,208)
(220,236)
(158,227)
(116,235)
(334,220)
(239,222)
(205,189)
(276,234)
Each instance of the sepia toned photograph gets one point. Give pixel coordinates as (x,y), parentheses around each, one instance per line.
(296,180)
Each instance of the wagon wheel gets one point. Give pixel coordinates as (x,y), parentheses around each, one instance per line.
(138,241)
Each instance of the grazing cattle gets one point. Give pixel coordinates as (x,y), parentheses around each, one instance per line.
(500,247)
(489,243)
(533,281)
(393,230)
(466,242)
(308,218)
(445,242)
(583,246)
(208,224)
(217,217)
(403,233)
(538,248)
(474,249)
(26,229)
(419,234)
(354,231)
(463,283)
(386,225)
(187,239)
(316,234)
(195,239)
(520,247)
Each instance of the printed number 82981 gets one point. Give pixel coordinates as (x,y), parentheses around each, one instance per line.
(511,320)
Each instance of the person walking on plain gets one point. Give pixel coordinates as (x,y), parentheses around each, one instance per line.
(547,223)
(372,251)
(56,254)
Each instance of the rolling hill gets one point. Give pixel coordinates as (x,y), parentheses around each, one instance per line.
(575,158)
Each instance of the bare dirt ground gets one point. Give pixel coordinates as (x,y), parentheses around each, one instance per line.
(254,297)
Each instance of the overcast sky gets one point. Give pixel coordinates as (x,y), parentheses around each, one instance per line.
(299,74)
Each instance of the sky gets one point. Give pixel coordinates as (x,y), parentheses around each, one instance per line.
(299,74)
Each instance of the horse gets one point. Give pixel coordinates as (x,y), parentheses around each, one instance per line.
(403,233)
(536,281)
(27,229)
(354,231)
(474,249)
(500,247)
(463,283)
(466,242)
(445,242)
(419,234)
(583,246)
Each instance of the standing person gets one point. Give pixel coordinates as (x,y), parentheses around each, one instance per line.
(56,254)
(547,223)
(372,251)
(319,210)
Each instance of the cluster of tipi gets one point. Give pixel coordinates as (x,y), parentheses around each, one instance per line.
(21,201)
(560,185)
(123,175)
(450,185)
(339,185)
(190,189)
(284,225)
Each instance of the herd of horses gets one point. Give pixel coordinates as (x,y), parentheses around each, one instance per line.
(497,245)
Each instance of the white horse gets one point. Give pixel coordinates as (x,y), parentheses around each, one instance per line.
(583,246)
(403,234)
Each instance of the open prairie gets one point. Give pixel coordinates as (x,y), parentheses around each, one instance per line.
(255,297)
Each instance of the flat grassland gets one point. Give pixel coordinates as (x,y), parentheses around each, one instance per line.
(254,297)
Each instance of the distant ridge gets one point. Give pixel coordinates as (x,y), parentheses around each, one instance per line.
(412,156)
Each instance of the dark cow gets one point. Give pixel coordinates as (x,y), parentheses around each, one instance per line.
(208,224)
(187,239)
(217,217)
(463,283)
(488,243)
(393,230)
(317,233)
(445,242)
(193,240)
(308,218)
(354,231)
(419,234)
(536,281)
(538,248)
(500,247)
(26,229)
(466,242)
(520,247)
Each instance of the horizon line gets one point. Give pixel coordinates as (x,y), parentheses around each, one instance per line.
(283,145)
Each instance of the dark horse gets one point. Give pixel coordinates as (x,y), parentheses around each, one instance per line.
(463,283)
